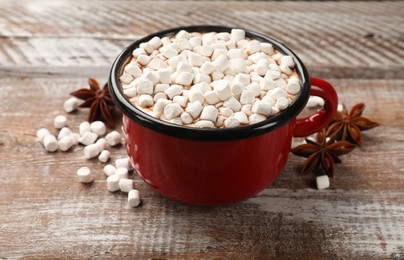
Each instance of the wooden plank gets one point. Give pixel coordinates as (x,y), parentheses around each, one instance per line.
(46,213)
(334,39)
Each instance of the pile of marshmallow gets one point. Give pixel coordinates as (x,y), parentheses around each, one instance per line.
(95,139)
(210,80)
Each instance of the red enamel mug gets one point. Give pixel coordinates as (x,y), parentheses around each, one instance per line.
(216,166)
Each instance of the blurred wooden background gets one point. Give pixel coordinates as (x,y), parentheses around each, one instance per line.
(49,48)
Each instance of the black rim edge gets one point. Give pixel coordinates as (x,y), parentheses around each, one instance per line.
(192,133)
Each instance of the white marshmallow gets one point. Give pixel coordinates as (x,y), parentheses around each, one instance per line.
(76,138)
(186,118)
(164,75)
(209,113)
(130,92)
(184,78)
(242,44)
(225,111)
(262,108)
(267,84)
(237,34)
(158,108)
(71,104)
(293,88)
(183,66)
(231,122)
(256,118)
(145,86)
(122,173)
(233,104)
(196,95)
(145,101)
(340,107)
(237,88)
(113,183)
(242,78)
(277,93)
(133,198)
(256,57)
(143,60)
(246,109)
(237,54)
(137,52)
(85,175)
(239,65)
(102,143)
(161,87)
(155,42)
(195,41)
(282,103)
(194,109)
(222,89)
(220,121)
(41,133)
(287,61)
(195,59)
(253,47)
(267,48)
(217,75)
(65,131)
(280,83)
(173,91)
(98,128)
(207,68)
(156,64)
(269,100)
(315,101)
(241,118)
(91,151)
(84,128)
(172,110)
(323,182)
(247,97)
(202,86)
(125,185)
(123,163)
(204,50)
(277,57)
(211,98)
(181,100)
(166,41)
(109,170)
(113,138)
(204,124)
(221,63)
(126,78)
(183,44)
(218,52)
(88,138)
(183,35)
(151,75)
(104,156)
(59,122)
(176,60)
(168,52)
(133,69)
(199,77)
(224,36)
(255,88)
(286,70)
(66,143)
(159,95)
(273,74)
(50,143)
(147,47)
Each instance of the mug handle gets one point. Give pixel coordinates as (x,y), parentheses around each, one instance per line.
(314,123)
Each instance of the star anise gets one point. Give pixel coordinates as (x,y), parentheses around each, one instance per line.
(322,153)
(98,100)
(348,126)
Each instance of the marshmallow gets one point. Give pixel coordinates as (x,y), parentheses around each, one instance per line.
(220,121)
(113,183)
(183,44)
(165,41)
(280,83)
(246,109)
(158,108)
(84,128)
(161,87)
(222,89)
(113,138)
(168,52)
(287,61)
(211,98)
(186,118)
(204,124)
(164,75)
(237,54)
(137,52)
(126,78)
(176,60)
(207,68)
(122,173)
(257,57)
(183,35)
(282,103)
(156,64)
(224,36)
(267,84)
(340,107)
(262,108)
(130,92)
(145,101)
(217,75)
(323,182)
(233,104)
(183,66)
(91,151)
(66,143)
(199,77)
(209,113)
(270,100)
(145,86)
(239,65)
(123,163)
(50,143)
(256,118)
(231,122)
(225,111)
(143,60)
(195,59)
(255,88)
(181,100)
(109,170)
(253,47)
(172,110)
(195,41)
(293,88)
(273,74)
(277,93)
(184,78)
(194,109)
(159,95)
(267,48)
(125,185)
(133,198)
(221,63)
(237,34)
(85,175)
(104,156)
(204,50)
(71,104)
(88,138)
(65,131)
(98,128)
(41,133)
(59,122)
(247,97)
(237,88)
(173,91)
(278,57)
(196,95)
(315,101)
(155,42)
(147,47)
(241,118)
(102,143)
(202,86)
(218,52)
(286,70)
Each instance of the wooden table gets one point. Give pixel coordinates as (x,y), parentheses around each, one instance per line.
(48,49)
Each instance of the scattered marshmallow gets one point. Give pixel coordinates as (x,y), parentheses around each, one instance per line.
(41,133)
(59,122)
(125,185)
(85,175)
(315,101)
(66,143)
(71,104)
(104,156)
(88,138)
(113,138)
(102,143)
(91,151)
(65,131)
(323,182)
(133,198)
(50,143)
(113,183)
(84,128)
(98,128)
(123,163)
(122,172)
(109,169)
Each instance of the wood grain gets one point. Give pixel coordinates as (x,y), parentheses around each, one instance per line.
(48,49)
